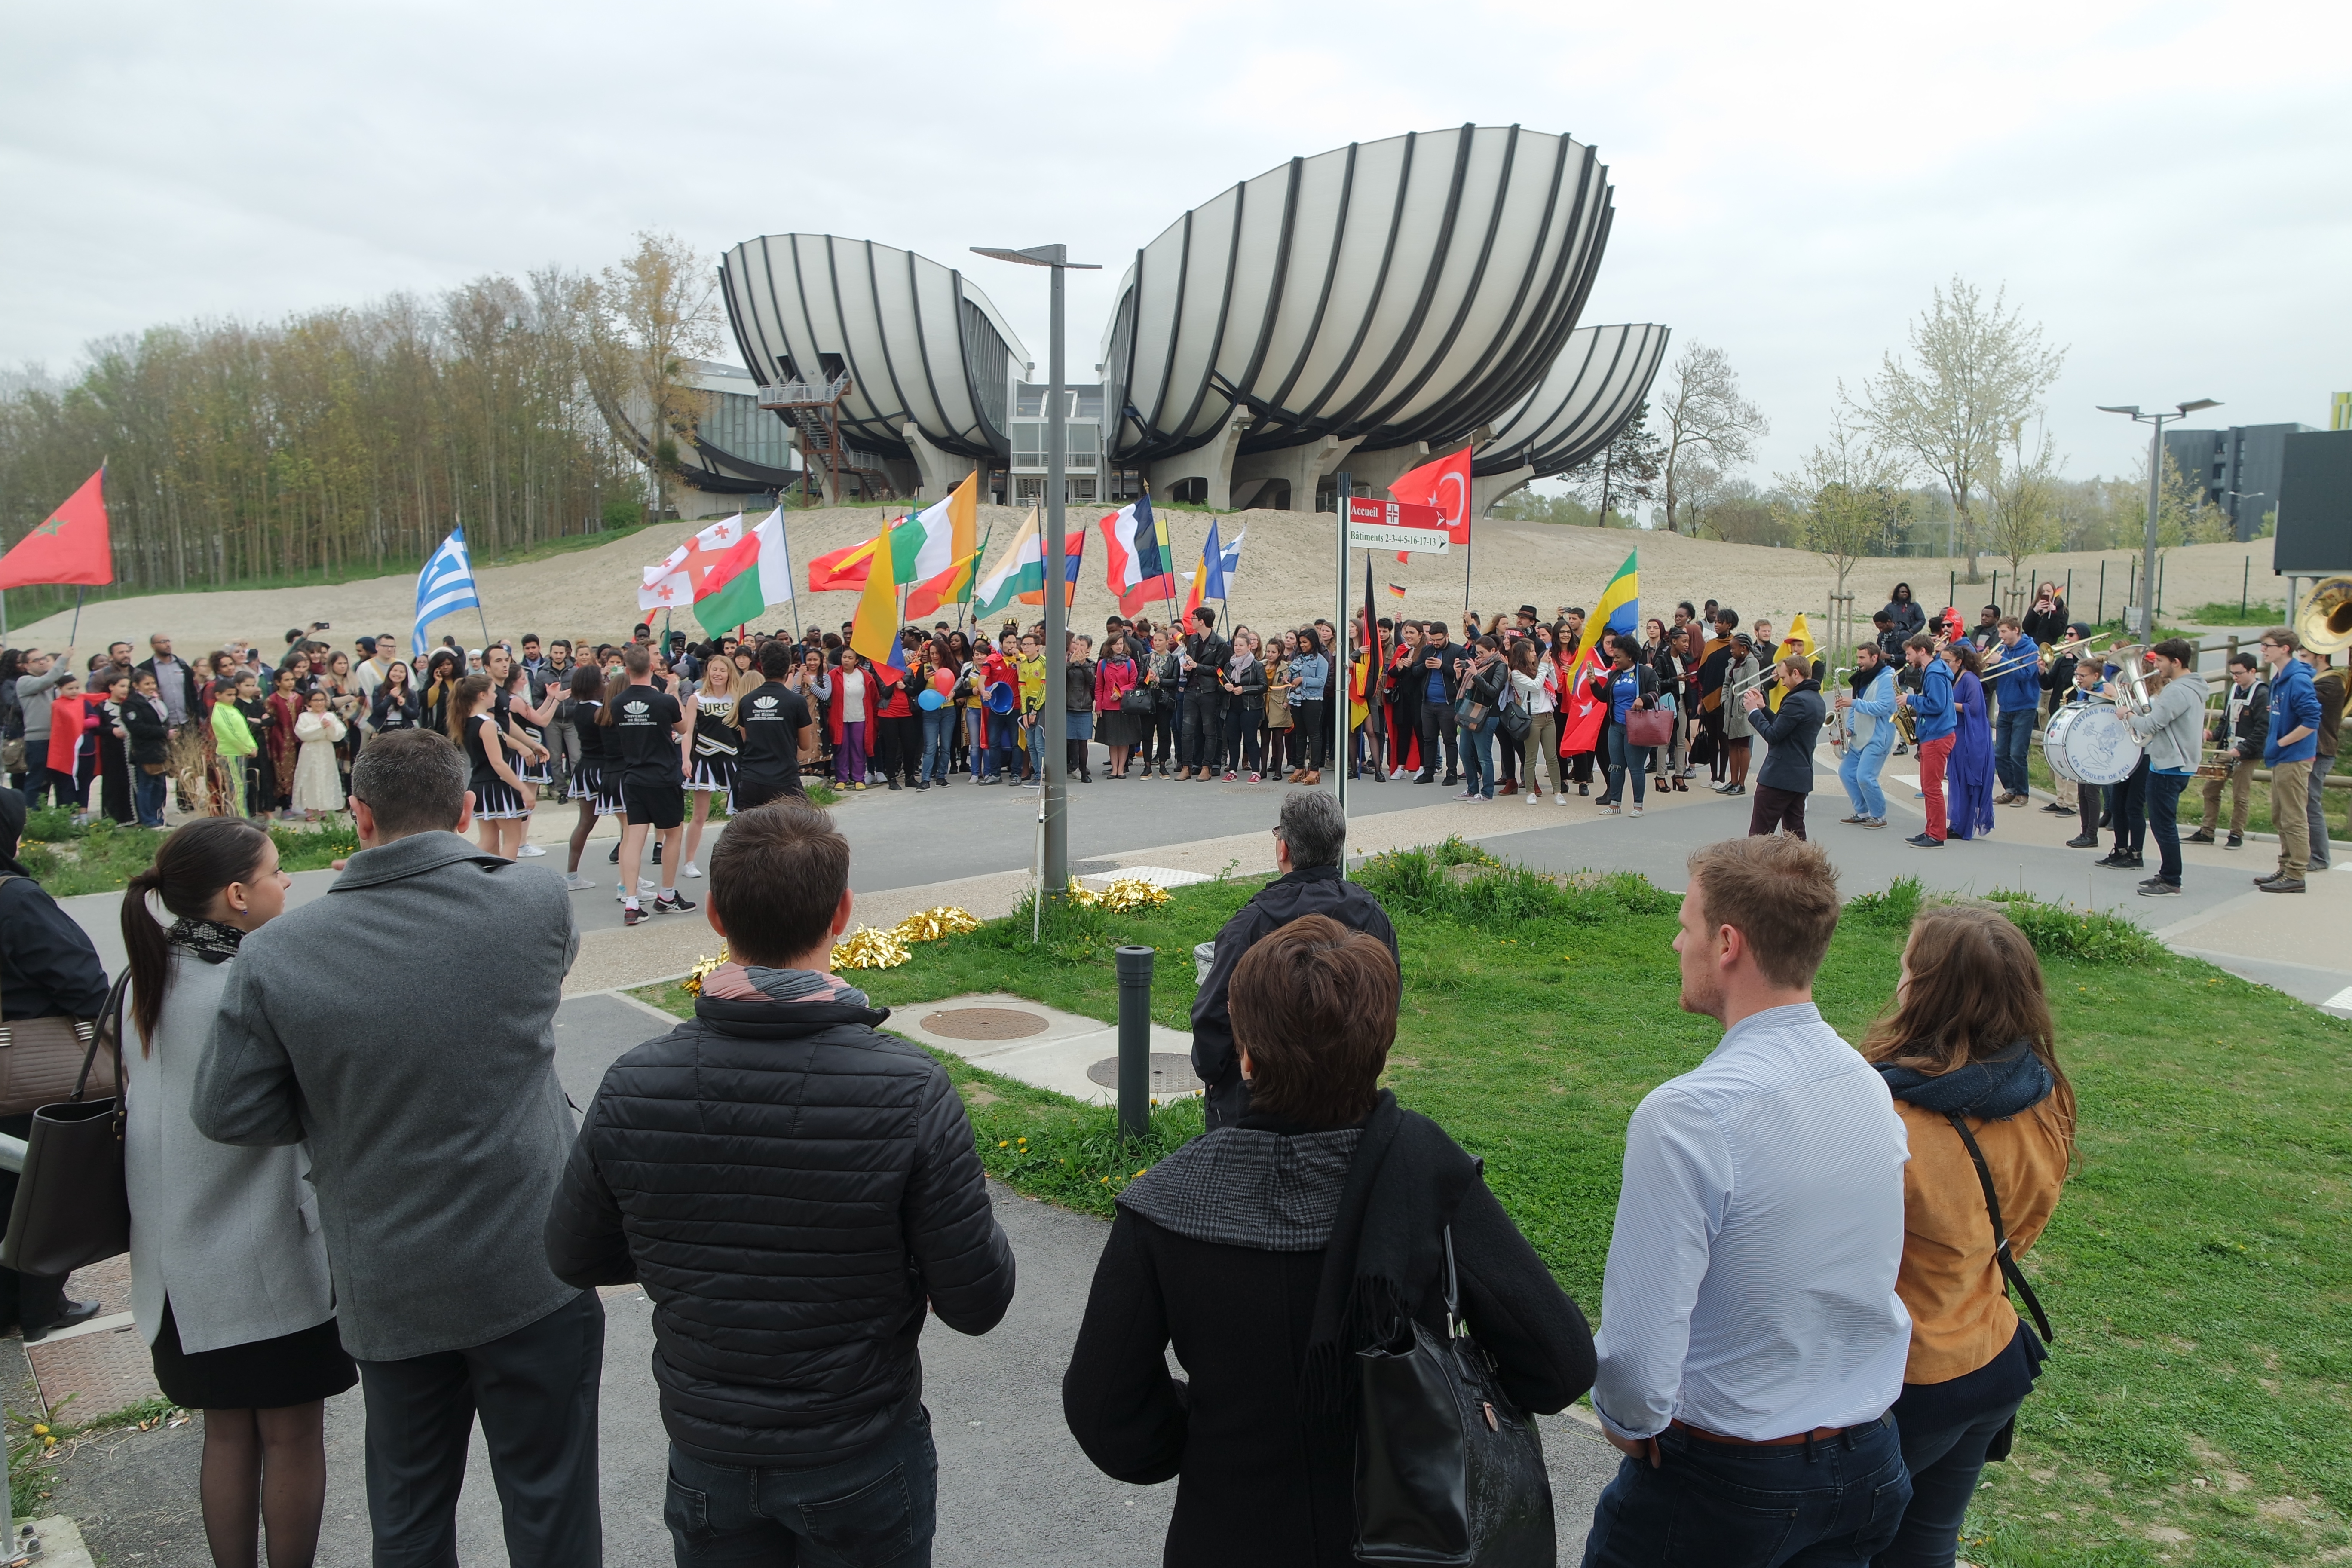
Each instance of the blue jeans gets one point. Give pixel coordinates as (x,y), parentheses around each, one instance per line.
(1624,757)
(2013,741)
(876,1509)
(147,791)
(1858,771)
(1813,1504)
(1944,1464)
(939,742)
(1479,757)
(2164,821)
(1002,756)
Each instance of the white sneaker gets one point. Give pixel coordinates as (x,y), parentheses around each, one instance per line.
(689,870)
(1535,798)
(576,883)
(648,885)
(1637,811)
(1560,800)
(527,851)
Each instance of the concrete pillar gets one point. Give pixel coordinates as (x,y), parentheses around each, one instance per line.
(1488,489)
(1212,462)
(939,472)
(825,485)
(1378,471)
(1303,466)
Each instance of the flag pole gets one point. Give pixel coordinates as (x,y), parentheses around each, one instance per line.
(73,637)
(1336,700)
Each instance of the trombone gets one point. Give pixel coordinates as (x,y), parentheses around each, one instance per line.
(2043,656)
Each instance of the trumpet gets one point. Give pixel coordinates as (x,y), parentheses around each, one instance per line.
(1763,679)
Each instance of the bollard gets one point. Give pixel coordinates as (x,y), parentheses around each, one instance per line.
(1134,1041)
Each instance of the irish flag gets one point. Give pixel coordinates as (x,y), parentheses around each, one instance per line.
(757,572)
(1023,574)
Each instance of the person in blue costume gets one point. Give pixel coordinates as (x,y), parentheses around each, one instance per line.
(1969,781)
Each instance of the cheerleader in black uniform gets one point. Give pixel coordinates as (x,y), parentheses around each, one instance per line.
(535,767)
(596,790)
(716,743)
(497,794)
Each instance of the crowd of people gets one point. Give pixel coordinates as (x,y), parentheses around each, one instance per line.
(1808,1342)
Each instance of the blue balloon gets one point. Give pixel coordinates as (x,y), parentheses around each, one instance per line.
(929,700)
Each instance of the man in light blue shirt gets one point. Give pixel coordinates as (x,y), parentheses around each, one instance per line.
(2019,688)
(1870,705)
(1751,1340)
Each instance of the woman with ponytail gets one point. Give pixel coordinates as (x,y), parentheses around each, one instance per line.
(228,1271)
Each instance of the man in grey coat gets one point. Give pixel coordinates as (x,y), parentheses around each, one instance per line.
(404,1024)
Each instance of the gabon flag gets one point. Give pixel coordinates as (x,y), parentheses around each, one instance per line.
(70,545)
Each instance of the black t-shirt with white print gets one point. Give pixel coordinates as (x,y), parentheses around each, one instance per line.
(774,716)
(645,736)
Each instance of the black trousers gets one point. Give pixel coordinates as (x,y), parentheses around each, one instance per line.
(1781,808)
(1158,735)
(536,1390)
(900,753)
(1204,730)
(1437,726)
(31,1299)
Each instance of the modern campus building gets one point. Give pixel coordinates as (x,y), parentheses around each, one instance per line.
(2237,470)
(1363,309)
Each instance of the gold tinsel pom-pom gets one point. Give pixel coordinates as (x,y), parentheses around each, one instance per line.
(931,924)
(692,983)
(1121,894)
(866,948)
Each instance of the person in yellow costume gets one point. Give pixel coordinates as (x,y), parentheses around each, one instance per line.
(1031,669)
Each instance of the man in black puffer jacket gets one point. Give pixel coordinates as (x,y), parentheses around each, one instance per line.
(1308,844)
(791,1187)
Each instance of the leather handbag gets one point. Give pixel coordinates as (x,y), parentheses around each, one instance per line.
(73,1205)
(1448,1471)
(1649,727)
(41,1058)
(1138,700)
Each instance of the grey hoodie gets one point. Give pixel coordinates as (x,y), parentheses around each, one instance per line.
(405,1025)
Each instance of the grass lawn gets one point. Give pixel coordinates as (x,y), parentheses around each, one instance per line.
(2197,1408)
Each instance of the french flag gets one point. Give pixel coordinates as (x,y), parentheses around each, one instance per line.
(1140,567)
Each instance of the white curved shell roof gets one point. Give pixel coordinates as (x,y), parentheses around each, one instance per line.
(920,341)
(1592,389)
(1411,288)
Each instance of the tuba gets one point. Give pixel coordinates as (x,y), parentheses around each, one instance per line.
(2324,621)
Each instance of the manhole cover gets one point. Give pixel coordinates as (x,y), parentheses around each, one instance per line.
(1171,1073)
(984,1024)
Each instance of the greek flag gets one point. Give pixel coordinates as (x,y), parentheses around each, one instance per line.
(446,583)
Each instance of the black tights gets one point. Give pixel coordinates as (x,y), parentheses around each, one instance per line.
(278,1457)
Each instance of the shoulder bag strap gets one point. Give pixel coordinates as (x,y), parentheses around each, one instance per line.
(106,1031)
(2008,1269)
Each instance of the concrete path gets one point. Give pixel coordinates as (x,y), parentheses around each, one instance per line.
(1010,1477)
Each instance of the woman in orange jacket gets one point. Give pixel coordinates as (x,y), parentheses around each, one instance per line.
(1969,1054)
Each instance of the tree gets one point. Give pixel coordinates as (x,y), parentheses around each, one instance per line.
(646,318)
(1846,497)
(1623,474)
(1976,371)
(1709,427)
(2023,512)
(1738,512)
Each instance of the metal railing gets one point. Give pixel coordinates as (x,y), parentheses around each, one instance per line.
(804,393)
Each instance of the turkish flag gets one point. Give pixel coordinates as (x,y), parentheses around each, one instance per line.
(71,546)
(1444,485)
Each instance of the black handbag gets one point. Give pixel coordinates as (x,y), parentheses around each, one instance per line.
(1138,700)
(2006,1438)
(1448,1471)
(73,1206)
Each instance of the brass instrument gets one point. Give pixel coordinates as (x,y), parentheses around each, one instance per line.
(1761,680)
(2324,621)
(2128,689)
(2048,655)
(1837,715)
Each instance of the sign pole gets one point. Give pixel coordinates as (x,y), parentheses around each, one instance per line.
(1334,685)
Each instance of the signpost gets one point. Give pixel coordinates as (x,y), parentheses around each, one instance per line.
(1396,525)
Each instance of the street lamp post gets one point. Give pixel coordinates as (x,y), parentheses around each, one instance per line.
(1056,773)
(2155,491)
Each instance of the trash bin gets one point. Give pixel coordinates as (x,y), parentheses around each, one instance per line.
(1204,954)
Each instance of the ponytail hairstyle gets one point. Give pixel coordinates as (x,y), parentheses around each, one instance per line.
(617,681)
(462,698)
(190,870)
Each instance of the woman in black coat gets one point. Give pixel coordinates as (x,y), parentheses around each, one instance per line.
(1909,616)
(1270,1251)
(47,969)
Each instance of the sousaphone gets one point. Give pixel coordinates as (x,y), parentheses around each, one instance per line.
(2324,620)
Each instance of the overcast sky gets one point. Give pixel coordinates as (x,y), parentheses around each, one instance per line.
(2165,187)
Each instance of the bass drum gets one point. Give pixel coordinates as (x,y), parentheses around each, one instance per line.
(2087,743)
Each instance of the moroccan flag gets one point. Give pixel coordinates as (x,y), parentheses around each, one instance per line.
(875,631)
(1446,485)
(757,572)
(70,546)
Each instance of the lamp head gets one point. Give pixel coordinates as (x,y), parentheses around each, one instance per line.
(2202,403)
(1036,256)
(2131,409)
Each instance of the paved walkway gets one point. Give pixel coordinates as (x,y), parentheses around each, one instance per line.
(1012,1482)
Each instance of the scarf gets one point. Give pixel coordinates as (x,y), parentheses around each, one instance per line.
(208,939)
(749,983)
(1404,1183)
(1990,1088)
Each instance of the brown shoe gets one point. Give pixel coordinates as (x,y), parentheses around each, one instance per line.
(1312,776)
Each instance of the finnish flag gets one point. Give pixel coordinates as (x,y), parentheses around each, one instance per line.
(446,583)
